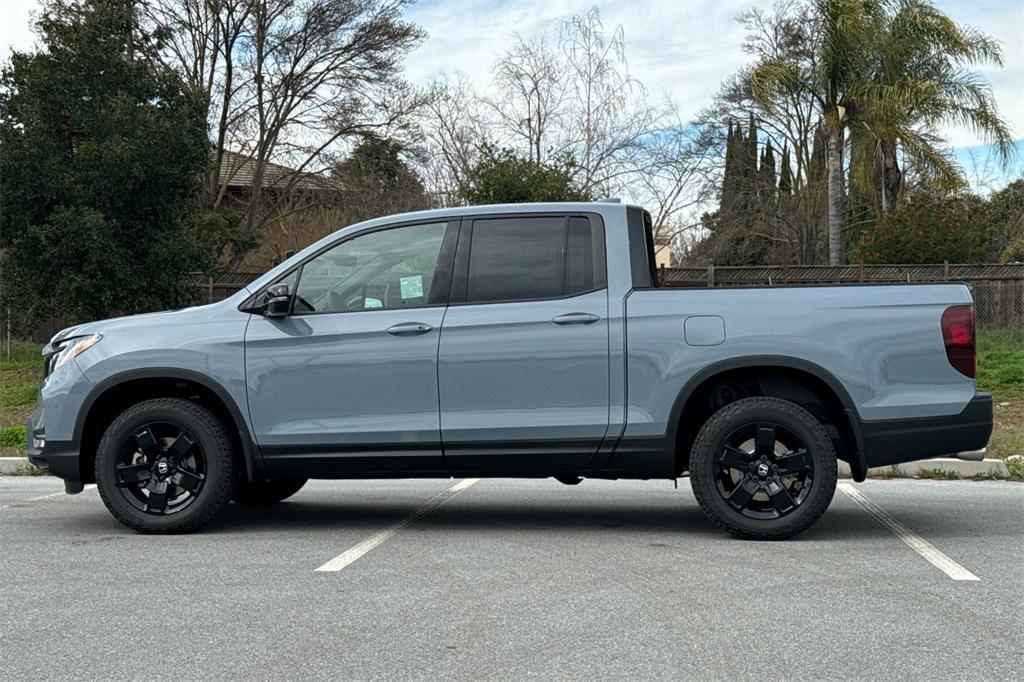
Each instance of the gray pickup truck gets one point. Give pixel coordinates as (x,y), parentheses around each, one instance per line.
(525,340)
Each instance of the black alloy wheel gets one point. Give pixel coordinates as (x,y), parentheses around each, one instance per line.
(161,468)
(764,471)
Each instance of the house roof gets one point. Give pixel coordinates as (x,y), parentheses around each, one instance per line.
(239,170)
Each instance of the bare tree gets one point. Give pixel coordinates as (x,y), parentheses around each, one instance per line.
(610,121)
(286,82)
(455,131)
(530,82)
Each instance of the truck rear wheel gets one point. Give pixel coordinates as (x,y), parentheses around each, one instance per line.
(763,469)
(267,491)
(165,466)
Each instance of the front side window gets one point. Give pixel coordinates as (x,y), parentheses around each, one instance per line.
(387,269)
(529,258)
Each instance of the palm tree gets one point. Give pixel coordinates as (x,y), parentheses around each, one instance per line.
(922,80)
(889,72)
(835,68)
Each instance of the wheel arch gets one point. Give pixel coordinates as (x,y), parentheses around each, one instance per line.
(112,395)
(798,380)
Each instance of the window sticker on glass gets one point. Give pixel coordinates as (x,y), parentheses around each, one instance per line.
(412,287)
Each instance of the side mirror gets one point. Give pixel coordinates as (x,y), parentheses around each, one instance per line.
(277,301)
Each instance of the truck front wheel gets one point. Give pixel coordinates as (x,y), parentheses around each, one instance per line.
(165,466)
(763,469)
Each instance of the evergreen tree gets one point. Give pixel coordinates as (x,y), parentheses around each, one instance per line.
(750,155)
(785,175)
(102,155)
(729,188)
(767,189)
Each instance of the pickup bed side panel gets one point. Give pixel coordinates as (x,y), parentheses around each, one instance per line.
(883,344)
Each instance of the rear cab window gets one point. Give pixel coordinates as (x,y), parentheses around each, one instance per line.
(525,258)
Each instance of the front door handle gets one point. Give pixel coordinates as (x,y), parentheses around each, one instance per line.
(576,318)
(408,329)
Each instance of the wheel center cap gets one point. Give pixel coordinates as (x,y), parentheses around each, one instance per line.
(762,470)
(162,467)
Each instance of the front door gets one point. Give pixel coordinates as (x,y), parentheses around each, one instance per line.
(524,347)
(348,382)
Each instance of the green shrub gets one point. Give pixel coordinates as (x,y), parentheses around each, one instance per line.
(928,229)
(504,177)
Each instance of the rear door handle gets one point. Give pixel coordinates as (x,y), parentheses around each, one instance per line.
(576,318)
(408,329)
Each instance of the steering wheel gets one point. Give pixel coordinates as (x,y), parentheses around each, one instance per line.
(357,302)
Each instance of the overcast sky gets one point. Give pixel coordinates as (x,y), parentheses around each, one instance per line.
(681,47)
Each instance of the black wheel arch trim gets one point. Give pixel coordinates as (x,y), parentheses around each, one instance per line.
(250,450)
(858,466)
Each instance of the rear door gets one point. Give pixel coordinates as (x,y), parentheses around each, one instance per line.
(523,360)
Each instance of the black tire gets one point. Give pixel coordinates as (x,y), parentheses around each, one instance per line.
(196,483)
(266,491)
(756,492)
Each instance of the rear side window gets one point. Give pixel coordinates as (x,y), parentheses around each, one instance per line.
(529,258)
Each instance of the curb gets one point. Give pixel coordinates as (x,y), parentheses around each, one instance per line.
(941,468)
(17,466)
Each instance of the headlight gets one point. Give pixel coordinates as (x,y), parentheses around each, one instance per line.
(69,349)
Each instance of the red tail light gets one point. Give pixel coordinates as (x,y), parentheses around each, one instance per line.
(958,335)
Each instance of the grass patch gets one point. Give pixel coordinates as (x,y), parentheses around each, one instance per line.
(938,474)
(19,388)
(12,437)
(24,355)
(1001,372)
(19,384)
(1001,362)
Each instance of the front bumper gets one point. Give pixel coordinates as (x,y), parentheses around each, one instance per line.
(895,441)
(59,458)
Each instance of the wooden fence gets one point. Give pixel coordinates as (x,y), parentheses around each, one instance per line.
(998,289)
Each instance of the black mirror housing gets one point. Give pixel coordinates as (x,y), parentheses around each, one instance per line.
(278,301)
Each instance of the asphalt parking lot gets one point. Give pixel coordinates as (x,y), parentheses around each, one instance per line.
(514,579)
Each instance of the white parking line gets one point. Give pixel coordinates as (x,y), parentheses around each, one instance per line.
(43,497)
(349,555)
(909,537)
